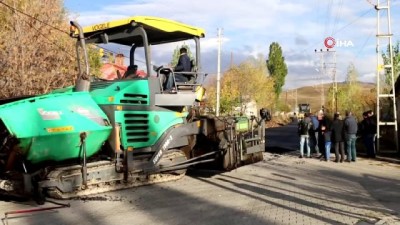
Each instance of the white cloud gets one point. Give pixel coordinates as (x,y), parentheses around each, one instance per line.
(368,77)
(249,27)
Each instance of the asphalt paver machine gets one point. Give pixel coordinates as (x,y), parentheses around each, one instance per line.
(99,136)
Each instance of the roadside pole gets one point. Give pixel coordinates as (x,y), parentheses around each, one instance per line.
(218,72)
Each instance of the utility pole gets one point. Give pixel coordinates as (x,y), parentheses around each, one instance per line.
(328,67)
(286,92)
(296,104)
(331,68)
(218,72)
(231,64)
(322,73)
(292,98)
(382,69)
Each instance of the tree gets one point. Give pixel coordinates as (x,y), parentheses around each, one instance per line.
(350,91)
(396,64)
(95,62)
(35,57)
(242,84)
(277,67)
(350,96)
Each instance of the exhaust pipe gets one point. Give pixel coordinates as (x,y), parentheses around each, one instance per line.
(82,83)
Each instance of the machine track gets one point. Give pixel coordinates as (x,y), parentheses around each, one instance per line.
(66,182)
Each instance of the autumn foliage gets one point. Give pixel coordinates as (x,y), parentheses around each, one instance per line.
(37,55)
(350,95)
(241,84)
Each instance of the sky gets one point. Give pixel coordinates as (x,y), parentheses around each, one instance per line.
(249,27)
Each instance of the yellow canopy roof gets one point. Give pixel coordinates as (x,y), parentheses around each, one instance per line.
(158,30)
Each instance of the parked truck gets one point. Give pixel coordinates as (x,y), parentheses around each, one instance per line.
(303,108)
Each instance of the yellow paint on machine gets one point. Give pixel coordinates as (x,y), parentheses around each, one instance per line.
(60,129)
(162,24)
(200,91)
(178,114)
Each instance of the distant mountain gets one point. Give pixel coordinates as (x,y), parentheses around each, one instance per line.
(313,95)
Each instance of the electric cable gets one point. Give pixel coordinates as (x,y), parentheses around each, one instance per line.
(52,42)
(353,21)
(369,1)
(338,14)
(30,16)
(327,16)
(364,44)
(342,28)
(40,33)
(54,28)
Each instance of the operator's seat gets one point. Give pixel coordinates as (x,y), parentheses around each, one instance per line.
(191,76)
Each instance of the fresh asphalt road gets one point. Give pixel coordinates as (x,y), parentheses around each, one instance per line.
(282,139)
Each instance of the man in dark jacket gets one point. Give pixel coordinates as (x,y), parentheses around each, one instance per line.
(184,65)
(314,133)
(304,128)
(370,133)
(350,128)
(367,130)
(338,137)
(327,133)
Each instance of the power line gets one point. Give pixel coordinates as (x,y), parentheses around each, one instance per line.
(23,13)
(364,44)
(338,14)
(327,17)
(52,42)
(57,29)
(40,33)
(369,1)
(355,20)
(342,28)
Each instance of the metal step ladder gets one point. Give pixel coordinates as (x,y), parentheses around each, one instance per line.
(386,101)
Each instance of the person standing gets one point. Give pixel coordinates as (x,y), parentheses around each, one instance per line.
(323,121)
(327,133)
(350,128)
(364,131)
(314,133)
(338,137)
(304,128)
(371,129)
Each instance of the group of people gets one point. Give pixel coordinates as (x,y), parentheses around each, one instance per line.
(321,134)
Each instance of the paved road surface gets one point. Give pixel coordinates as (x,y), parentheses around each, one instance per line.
(282,189)
(282,139)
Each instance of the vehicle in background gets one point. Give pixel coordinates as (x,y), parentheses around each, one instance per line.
(303,108)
